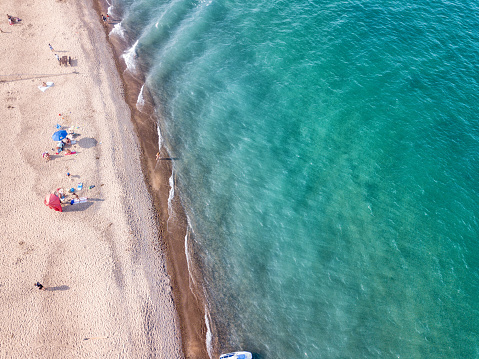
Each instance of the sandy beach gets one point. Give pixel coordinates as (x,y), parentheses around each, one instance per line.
(106,289)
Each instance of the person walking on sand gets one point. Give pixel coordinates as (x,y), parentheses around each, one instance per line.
(39,285)
(58,57)
(51,47)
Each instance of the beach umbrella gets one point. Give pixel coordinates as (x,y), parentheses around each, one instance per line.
(59,135)
(52,201)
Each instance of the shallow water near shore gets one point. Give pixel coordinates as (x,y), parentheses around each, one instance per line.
(326,155)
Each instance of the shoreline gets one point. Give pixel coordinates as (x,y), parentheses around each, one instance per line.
(188,300)
(106,290)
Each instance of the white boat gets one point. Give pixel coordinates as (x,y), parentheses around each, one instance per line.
(237,355)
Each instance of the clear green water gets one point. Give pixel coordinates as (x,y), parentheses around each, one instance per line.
(328,162)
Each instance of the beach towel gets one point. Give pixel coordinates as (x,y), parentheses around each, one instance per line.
(44,88)
(78,200)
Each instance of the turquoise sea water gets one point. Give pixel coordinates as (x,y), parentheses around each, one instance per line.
(327,158)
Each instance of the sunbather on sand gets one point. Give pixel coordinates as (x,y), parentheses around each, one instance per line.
(13,20)
(59,147)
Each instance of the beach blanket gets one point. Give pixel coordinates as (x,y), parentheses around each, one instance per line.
(44,88)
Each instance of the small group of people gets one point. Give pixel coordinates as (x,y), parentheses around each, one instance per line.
(65,142)
(68,141)
(63,197)
(13,19)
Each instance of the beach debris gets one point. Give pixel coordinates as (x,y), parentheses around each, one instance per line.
(53,201)
(92,338)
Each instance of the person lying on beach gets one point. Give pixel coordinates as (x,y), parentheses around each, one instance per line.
(67,141)
(45,86)
(13,20)
(69,152)
(59,147)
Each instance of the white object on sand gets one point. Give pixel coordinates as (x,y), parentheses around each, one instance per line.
(78,200)
(44,88)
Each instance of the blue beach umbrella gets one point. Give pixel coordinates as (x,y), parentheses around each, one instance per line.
(59,135)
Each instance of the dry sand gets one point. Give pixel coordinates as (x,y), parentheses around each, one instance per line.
(107,291)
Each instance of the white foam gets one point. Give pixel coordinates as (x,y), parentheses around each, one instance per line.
(160,138)
(171,196)
(118,31)
(209,336)
(140,102)
(130,57)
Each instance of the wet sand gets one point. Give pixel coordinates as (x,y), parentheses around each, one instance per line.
(107,290)
(187,293)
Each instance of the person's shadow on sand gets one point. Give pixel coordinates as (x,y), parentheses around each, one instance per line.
(77,207)
(61,287)
(87,142)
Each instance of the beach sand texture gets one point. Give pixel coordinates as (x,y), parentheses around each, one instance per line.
(107,291)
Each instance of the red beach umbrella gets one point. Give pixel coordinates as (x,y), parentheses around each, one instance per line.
(53,202)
